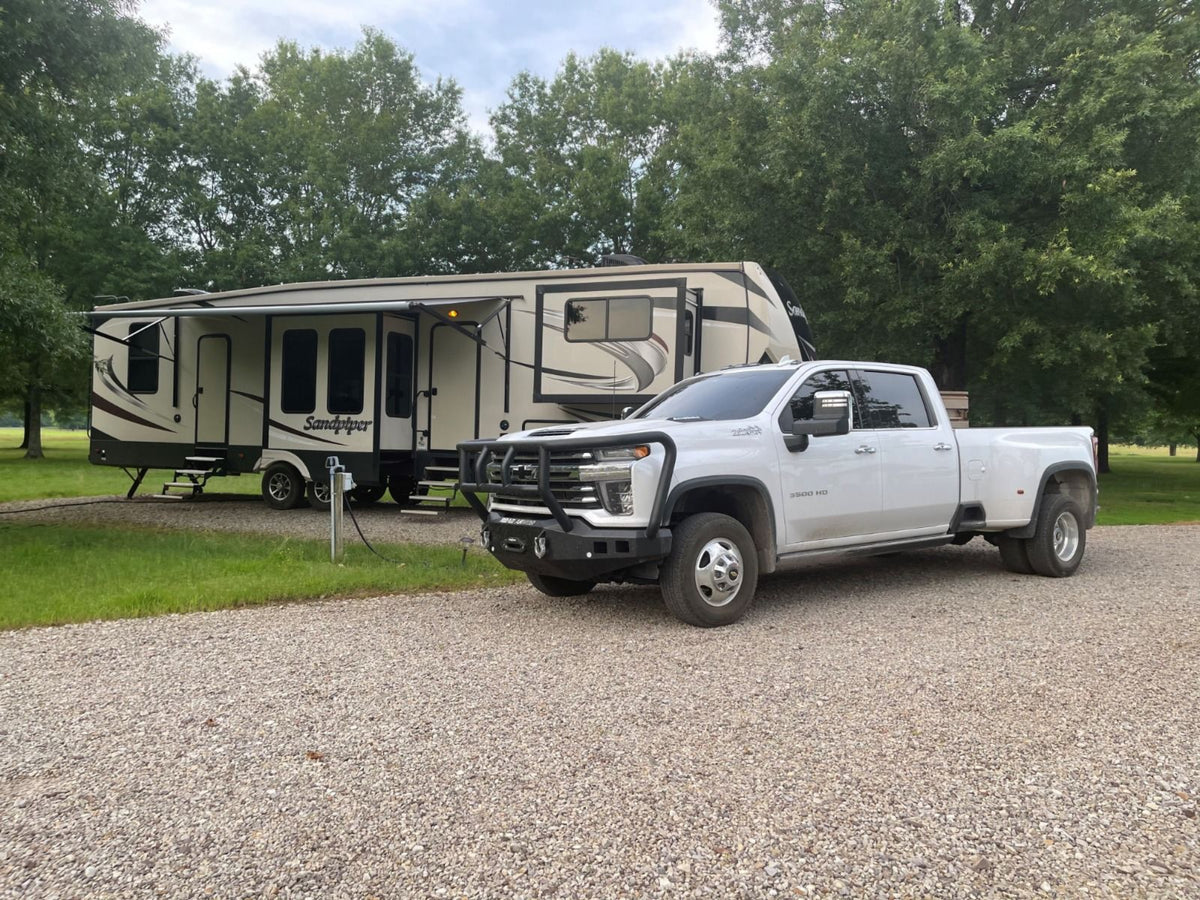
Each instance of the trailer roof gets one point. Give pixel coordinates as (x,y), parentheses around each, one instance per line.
(375,294)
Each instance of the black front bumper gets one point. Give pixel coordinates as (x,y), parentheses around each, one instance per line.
(581,554)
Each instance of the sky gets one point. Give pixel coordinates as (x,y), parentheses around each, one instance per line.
(480,44)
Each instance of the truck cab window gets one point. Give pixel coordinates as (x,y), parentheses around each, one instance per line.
(299,371)
(347,355)
(894,400)
(801,405)
(142,376)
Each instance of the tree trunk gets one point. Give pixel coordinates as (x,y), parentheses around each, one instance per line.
(1172,448)
(25,436)
(949,367)
(1102,438)
(34,427)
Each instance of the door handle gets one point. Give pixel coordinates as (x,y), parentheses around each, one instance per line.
(942,446)
(865,448)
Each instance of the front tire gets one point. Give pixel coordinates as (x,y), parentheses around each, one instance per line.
(1056,548)
(710,577)
(559,587)
(282,486)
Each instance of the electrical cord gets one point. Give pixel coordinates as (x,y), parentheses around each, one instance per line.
(354,519)
(13,512)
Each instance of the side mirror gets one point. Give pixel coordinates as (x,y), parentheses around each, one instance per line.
(831,415)
(625,413)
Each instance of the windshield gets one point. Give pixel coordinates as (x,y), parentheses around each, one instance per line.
(729,395)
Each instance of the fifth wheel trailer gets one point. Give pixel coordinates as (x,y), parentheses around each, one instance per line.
(390,374)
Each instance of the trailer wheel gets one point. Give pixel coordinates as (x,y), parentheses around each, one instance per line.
(367,494)
(282,486)
(710,577)
(401,488)
(1014,554)
(559,587)
(319,495)
(1056,548)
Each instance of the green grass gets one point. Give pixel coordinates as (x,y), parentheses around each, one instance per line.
(66,472)
(1148,487)
(56,574)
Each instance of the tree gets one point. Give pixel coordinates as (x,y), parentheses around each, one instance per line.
(999,191)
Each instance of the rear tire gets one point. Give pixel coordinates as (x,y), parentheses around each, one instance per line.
(1056,548)
(282,486)
(319,495)
(559,587)
(710,577)
(1014,555)
(401,487)
(367,494)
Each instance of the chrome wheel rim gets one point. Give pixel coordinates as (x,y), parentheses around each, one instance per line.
(719,572)
(1066,537)
(321,491)
(279,485)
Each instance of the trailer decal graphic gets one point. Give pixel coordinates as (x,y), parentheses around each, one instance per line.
(109,407)
(337,424)
(299,433)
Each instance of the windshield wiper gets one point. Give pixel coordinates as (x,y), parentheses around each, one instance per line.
(686,419)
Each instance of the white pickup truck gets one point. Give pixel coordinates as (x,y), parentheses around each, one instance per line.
(733,474)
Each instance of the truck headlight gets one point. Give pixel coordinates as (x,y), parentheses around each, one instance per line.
(613,475)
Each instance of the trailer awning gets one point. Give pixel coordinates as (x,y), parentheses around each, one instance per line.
(198,309)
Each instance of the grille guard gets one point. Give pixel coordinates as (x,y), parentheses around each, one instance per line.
(474,457)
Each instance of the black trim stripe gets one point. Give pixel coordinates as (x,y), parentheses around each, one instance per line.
(111,408)
(304,434)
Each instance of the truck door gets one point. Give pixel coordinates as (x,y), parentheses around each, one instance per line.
(919,454)
(831,490)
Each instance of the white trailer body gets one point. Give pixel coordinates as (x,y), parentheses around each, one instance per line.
(391,374)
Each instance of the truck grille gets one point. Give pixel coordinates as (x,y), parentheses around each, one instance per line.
(564,480)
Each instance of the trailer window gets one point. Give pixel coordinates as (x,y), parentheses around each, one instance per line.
(608,319)
(399,375)
(299,389)
(894,400)
(142,376)
(347,354)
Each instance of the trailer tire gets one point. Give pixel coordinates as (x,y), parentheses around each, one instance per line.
(401,488)
(1014,554)
(1056,548)
(319,496)
(282,486)
(367,494)
(553,586)
(710,576)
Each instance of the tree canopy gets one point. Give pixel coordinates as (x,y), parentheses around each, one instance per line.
(1003,191)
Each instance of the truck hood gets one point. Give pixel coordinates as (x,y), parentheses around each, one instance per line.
(601,429)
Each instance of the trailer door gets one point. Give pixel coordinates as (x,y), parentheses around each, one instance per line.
(606,342)
(397,423)
(212,391)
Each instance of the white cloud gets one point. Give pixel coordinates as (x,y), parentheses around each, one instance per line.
(478,43)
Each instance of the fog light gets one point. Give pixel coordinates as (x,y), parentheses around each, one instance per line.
(617,497)
(539,545)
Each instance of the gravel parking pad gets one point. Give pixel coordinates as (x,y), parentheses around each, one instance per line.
(923,725)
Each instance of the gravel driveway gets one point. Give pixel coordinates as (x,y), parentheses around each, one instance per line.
(924,725)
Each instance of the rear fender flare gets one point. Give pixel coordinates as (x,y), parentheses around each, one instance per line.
(1026,531)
